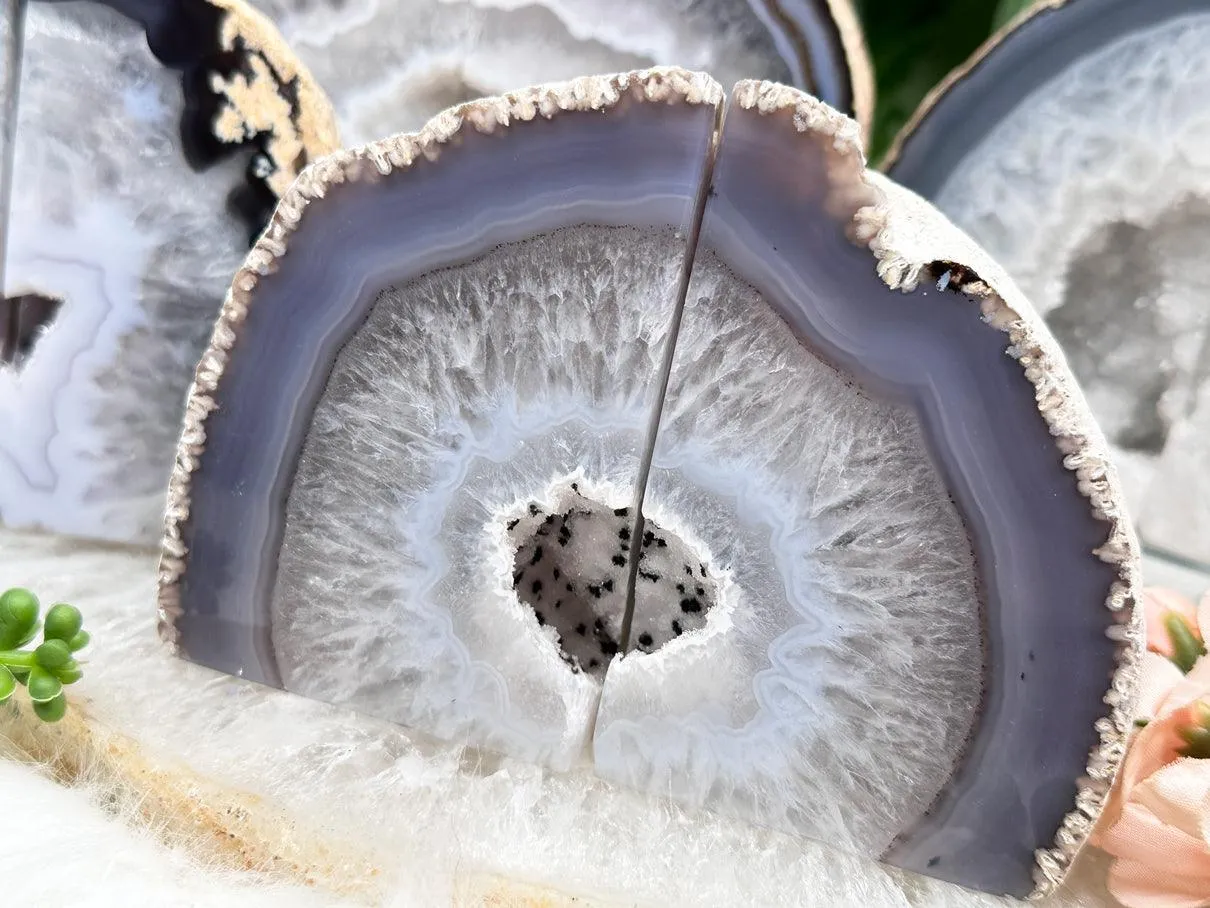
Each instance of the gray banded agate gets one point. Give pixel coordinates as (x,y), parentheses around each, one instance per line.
(578,352)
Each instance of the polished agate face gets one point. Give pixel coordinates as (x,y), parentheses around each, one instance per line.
(1084,172)
(579,431)
(131,206)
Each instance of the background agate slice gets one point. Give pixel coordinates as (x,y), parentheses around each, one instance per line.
(1074,149)
(389,65)
(118,254)
(867,571)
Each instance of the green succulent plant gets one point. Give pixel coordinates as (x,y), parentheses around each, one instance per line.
(45,668)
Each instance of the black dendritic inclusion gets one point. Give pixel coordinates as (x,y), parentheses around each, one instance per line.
(186,35)
(571,565)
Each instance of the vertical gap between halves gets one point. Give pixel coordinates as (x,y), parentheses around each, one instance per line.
(657,408)
(12,13)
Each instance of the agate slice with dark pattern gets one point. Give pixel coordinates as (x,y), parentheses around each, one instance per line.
(136,183)
(582,427)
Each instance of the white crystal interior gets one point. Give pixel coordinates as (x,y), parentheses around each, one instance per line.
(107,217)
(389,65)
(464,396)
(836,678)
(838,695)
(1094,193)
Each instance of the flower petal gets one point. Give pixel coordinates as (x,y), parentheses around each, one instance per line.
(1137,885)
(1177,794)
(1158,676)
(1140,836)
(1193,686)
(1203,614)
(1153,747)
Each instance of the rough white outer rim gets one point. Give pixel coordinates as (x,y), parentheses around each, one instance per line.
(907,236)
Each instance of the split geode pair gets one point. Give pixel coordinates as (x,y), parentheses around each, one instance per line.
(575,371)
(614,367)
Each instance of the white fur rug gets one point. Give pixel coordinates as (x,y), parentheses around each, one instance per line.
(168,785)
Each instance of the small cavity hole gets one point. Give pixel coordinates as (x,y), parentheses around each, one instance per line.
(24,320)
(1110,328)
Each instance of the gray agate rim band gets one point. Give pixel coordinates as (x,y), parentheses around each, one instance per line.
(902,258)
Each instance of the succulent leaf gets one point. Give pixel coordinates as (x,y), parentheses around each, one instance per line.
(63,622)
(8,684)
(51,710)
(53,654)
(18,617)
(43,686)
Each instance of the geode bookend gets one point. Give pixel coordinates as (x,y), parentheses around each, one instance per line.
(603,427)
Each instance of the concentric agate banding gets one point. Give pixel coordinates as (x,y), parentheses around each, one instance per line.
(1087,457)
(1060,555)
(911,243)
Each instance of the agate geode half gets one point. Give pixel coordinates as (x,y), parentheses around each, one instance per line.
(604,423)
(1073,147)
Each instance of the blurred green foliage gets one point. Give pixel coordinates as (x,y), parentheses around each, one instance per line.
(1006,9)
(914,44)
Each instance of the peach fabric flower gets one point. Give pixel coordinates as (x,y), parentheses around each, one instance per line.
(1156,823)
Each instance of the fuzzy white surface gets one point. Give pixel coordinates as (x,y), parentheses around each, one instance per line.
(437,816)
(63,849)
